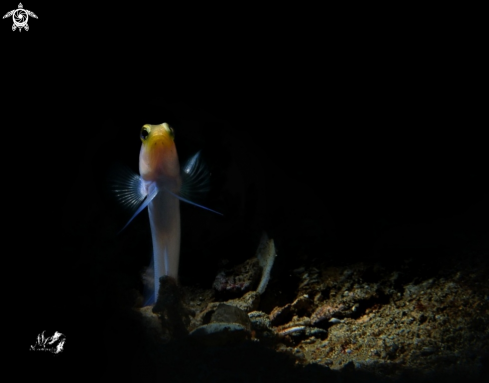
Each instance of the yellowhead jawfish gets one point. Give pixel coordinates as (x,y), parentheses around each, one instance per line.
(160,186)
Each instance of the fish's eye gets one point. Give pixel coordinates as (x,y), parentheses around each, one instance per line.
(169,130)
(145,130)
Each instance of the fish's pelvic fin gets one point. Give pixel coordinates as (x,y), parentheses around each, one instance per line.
(191,203)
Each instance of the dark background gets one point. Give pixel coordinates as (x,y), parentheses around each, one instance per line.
(341,144)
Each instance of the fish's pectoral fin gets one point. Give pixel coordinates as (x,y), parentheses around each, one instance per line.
(126,186)
(129,190)
(195,178)
(195,181)
(147,201)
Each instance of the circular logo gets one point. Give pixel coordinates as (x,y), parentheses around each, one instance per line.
(20,18)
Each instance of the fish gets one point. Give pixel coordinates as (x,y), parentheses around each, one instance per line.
(160,186)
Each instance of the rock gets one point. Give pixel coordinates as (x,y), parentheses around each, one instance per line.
(228,324)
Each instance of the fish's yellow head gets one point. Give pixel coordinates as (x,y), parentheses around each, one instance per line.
(158,157)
